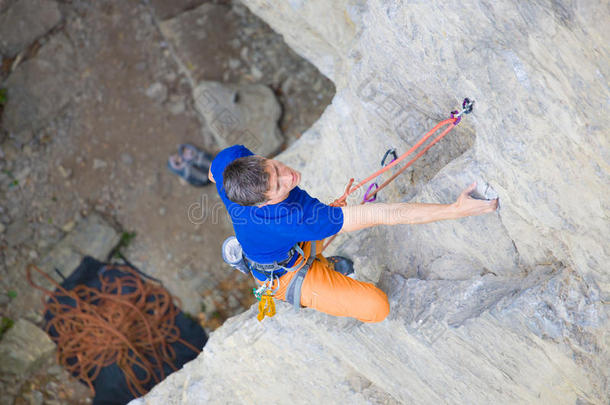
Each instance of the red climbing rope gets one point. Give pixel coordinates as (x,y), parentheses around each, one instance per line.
(106,326)
(449,123)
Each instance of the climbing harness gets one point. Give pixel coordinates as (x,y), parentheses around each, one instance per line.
(233,254)
(266,292)
(293,292)
(374,189)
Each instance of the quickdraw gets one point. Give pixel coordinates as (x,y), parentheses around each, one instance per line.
(266,306)
(264,295)
(467,106)
(265,292)
(370,195)
(267,286)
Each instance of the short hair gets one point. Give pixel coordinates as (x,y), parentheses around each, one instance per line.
(246,181)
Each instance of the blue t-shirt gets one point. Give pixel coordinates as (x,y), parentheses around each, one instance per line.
(267,233)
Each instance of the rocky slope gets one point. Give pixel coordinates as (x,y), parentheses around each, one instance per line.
(94,97)
(507,308)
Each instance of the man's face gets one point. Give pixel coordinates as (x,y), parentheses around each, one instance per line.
(282,179)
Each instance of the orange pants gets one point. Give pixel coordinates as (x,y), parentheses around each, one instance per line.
(328,291)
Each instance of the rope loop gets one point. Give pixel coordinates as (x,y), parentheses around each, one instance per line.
(341,201)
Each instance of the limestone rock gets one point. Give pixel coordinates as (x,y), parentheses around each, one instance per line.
(40,87)
(240,114)
(195,35)
(18,232)
(99,164)
(24,22)
(157,91)
(176,104)
(506,308)
(23,347)
(92,236)
(439,333)
(319,35)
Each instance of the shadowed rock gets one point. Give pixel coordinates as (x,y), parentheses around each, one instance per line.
(240,114)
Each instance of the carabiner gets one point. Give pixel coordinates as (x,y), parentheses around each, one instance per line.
(366,195)
(391,151)
(467,105)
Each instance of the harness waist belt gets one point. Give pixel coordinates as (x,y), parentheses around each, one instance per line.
(271,268)
(293,292)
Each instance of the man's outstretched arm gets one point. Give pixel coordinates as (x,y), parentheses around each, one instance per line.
(358,217)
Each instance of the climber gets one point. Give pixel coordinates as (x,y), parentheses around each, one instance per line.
(271,214)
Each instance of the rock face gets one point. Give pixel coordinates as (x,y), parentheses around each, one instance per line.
(93,237)
(40,87)
(240,114)
(25,21)
(23,347)
(208,23)
(506,308)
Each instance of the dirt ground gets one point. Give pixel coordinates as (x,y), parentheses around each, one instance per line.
(106,150)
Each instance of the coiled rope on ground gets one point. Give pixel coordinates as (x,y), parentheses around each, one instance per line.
(128,321)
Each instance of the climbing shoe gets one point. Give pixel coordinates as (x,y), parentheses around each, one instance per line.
(341,265)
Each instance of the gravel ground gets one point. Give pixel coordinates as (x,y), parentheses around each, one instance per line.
(118,102)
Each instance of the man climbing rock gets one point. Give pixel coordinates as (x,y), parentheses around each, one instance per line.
(277,224)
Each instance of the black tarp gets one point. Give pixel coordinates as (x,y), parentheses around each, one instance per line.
(110,385)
